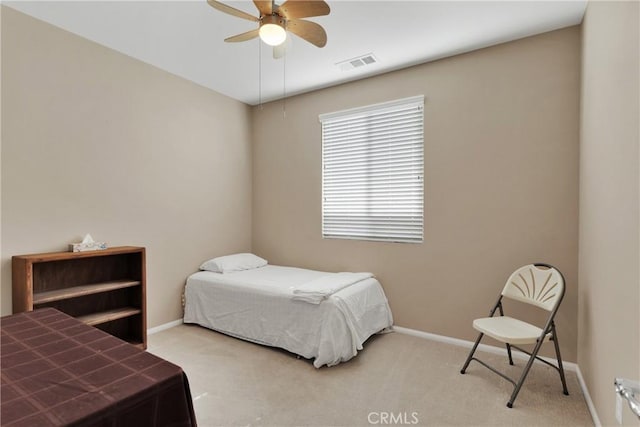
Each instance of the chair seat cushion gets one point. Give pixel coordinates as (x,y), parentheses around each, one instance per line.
(508,330)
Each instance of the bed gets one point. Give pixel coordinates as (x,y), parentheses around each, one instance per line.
(281,307)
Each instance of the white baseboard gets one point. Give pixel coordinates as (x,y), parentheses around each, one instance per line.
(163,327)
(568,366)
(587,398)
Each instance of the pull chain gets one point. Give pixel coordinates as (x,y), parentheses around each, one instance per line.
(284,85)
(260,74)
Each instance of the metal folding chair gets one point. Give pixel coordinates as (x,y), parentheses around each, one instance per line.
(540,285)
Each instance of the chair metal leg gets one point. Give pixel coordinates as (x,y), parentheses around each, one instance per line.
(509,353)
(473,350)
(559,358)
(516,390)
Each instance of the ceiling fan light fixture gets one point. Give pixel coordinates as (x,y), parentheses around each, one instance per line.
(276,20)
(272,34)
(272,31)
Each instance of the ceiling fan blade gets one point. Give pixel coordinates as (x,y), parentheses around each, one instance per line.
(295,9)
(244,36)
(264,6)
(231,10)
(310,31)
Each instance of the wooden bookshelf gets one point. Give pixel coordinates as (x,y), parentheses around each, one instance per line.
(105,288)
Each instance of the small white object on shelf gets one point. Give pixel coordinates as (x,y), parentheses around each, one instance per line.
(87,244)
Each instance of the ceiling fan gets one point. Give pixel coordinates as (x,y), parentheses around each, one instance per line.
(275,20)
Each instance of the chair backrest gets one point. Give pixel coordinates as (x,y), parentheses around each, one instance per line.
(541,285)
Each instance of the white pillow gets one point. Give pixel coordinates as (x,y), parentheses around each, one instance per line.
(231,263)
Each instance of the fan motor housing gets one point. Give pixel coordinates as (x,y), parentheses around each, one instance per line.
(273,19)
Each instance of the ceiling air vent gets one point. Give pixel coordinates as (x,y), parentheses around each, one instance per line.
(358,62)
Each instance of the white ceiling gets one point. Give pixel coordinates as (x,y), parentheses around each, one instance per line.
(186,37)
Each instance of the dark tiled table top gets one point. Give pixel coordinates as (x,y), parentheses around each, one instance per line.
(58,371)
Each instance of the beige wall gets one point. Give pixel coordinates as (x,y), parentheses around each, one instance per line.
(1,9)
(96,142)
(501,181)
(609,299)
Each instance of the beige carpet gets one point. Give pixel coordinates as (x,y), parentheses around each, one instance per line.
(397,379)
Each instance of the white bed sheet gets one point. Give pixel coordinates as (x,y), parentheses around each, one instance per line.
(256,305)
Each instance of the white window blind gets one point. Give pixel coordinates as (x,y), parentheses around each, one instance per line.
(372,172)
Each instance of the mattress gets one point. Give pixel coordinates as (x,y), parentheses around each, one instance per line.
(257,305)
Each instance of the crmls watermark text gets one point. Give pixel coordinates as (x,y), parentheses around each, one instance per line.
(393,418)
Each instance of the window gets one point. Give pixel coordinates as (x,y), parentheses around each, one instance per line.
(372,172)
